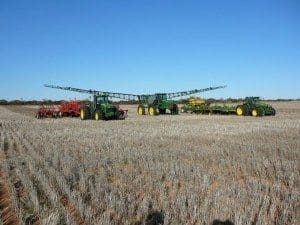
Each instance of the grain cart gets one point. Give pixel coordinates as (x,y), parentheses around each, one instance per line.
(255,107)
(100,108)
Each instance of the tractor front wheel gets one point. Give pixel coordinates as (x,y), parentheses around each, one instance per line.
(152,111)
(84,113)
(98,115)
(256,113)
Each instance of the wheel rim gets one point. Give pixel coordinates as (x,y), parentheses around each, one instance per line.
(140,111)
(254,112)
(82,114)
(239,111)
(151,111)
(96,116)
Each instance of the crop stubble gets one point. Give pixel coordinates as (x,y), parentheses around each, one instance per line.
(186,169)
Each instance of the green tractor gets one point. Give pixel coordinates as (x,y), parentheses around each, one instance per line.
(100,108)
(160,103)
(154,104)
(255,107)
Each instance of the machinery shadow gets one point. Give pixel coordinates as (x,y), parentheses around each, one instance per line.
(219,222)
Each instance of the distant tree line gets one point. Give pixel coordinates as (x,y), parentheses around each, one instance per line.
(181,101)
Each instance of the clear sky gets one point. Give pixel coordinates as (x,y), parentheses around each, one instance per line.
(148,46)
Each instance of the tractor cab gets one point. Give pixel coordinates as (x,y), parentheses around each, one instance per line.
(161,96)
(100,99)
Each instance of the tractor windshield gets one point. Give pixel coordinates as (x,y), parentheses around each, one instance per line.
(162,96)
(102,99)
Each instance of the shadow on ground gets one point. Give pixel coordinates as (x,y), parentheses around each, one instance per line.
(219,222)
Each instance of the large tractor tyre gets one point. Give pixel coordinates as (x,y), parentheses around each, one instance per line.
(175,110)
(98,115)
(256,112)
(152,111)
(273,112)
(242,110)
(141,110)
(84,113)
(162,111)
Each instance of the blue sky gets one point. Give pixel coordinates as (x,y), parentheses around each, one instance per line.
(150,46)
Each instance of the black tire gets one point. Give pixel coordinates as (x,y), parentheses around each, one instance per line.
(174,110)
(141,110)
(152,110)
(256,112)
(85,113)
(246,110)
(242,110)
(273,113)
(98,115)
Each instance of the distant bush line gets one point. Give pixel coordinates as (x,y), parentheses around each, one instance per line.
(57,102)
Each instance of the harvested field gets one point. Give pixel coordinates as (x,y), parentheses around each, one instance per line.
(185,169)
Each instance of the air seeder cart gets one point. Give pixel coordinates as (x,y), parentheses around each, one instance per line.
(251,106)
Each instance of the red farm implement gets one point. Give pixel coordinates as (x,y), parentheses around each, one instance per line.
(66,108)
(47,111)
(70,108)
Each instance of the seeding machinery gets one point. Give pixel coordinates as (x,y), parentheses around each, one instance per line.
(251,106)
(255,107)
(66,108)
(100,108)
(154,104)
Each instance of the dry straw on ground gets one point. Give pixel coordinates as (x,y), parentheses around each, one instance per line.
(186,169)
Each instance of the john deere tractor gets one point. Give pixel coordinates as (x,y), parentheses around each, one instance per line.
(255,107)
(100,108)
(154,104)
(162,102)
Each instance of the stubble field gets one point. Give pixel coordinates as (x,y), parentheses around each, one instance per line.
(185,169)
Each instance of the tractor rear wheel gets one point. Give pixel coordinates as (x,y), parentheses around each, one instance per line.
(98,115)
(273,112)
(175,110)
(141,110)
(152,111)
(242,110)
(84,113)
